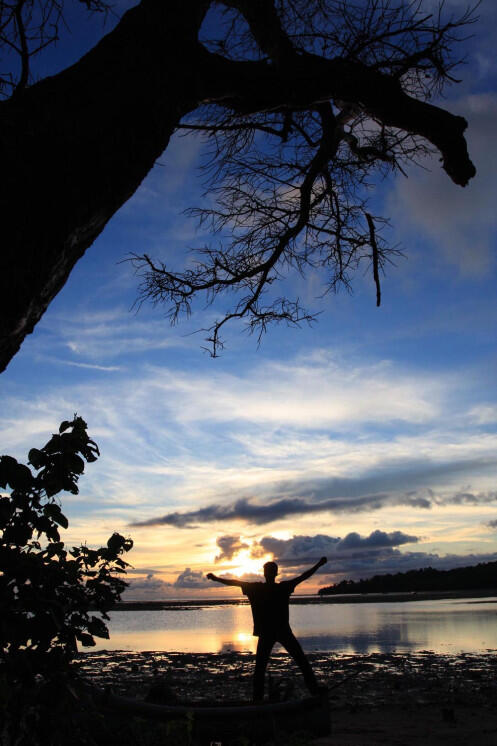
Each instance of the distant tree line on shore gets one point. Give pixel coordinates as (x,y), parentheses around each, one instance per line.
(483,575)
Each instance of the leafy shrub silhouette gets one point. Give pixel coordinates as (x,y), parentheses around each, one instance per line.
(49,596)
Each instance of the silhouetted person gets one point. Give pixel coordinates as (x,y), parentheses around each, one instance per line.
(269,602)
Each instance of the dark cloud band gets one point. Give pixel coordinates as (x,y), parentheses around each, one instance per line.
(412,483)
(253,512)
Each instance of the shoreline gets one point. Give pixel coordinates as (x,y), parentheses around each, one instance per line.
(353,598)
(377,698)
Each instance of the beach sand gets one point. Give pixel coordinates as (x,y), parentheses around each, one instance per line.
(402,699)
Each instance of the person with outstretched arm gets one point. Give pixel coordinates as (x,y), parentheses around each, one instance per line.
(269,602)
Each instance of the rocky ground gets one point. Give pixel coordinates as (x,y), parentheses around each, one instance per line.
(408,699)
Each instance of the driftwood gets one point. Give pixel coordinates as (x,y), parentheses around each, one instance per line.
(226,722)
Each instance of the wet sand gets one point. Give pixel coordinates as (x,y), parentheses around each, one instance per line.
(402,699)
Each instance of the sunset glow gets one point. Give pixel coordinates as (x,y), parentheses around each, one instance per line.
(368,437)
(247,565)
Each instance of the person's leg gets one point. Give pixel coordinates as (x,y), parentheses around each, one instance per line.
(264,647)
(292,645)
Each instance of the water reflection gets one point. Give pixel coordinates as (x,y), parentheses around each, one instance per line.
(441,626)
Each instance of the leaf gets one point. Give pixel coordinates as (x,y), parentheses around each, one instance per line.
(53,511)
(115,543)
(7,463)
(17,475)
(6,510)
(97,627)
(58,589)
(85,639)
(53,444)
(52,534)
(17,534)
(73,462)
(93,446)
(37,458)
(52,484)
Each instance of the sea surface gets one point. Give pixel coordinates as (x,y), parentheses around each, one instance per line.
(443,626)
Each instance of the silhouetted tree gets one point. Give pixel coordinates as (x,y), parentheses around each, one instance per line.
(471,577)
(305,102)
(51,597)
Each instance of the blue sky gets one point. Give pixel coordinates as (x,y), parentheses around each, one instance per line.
(370,437)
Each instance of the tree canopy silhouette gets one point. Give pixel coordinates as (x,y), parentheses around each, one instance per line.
(51,596)
(471,577)
(305,103)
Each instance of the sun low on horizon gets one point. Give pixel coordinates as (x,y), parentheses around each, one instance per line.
(369,437)
(245,564)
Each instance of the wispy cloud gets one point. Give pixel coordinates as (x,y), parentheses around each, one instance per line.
(87,366)
(174,437)
(311,392)
(99,336)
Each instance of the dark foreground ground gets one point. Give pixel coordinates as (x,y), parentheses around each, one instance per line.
(406,700)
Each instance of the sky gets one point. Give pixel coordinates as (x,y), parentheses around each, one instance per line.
(369,437)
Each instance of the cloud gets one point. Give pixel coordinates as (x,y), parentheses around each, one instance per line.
(252,512)
(355,556)
(229,546)
(375,554)
(392,561)
(99,336)
(471,498)
(88,366)
(404,483)
(484,414)
(146,589)
(492,524)
(311,548)
(166,460)
(191,579)
(153,587)
(376,539)
(311,392)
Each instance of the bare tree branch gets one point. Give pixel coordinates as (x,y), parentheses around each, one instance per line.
(27,27)
(297,137)
(374,246)
(304,105)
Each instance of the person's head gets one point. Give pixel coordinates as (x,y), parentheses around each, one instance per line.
(270,570)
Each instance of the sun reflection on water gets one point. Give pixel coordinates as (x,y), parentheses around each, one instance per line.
(443,626)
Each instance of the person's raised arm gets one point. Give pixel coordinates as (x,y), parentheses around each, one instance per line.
(309,572)
(224,581)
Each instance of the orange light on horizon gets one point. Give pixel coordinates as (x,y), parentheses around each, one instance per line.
(247,565)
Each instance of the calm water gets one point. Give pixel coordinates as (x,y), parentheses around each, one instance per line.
(445,626)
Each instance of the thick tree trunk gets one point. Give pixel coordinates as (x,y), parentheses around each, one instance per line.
(76,146)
